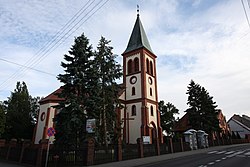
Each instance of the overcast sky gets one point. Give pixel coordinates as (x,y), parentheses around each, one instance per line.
(204,40)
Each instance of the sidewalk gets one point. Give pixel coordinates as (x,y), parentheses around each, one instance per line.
(9,164)
(148,160)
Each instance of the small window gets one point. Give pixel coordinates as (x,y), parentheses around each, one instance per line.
(152,111)
(147,64)
(151,68)
(136,64)
(133,110)
(130,66)
(150,91)
(133,91)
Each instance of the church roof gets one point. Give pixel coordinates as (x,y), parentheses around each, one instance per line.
(138,38)
(52,98)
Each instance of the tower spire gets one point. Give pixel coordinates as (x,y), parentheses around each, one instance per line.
(138,38)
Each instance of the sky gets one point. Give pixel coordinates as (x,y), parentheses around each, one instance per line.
(202,40)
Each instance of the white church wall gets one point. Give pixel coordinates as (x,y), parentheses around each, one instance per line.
(42,122)
(134,125)
(137,86)
(154,117)
(152,86)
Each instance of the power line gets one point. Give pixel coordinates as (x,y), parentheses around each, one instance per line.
(47,51)
(246,12)
(44,48)
(28,67)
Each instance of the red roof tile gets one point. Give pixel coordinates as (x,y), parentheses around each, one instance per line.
(52,98)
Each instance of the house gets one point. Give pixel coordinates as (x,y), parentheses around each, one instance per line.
(240,125)
(183,124)
(140,116)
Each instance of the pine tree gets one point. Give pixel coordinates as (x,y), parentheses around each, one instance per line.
(19,122)
(167,112)
(79,82)
(202,109)
(2,118)
(108,71)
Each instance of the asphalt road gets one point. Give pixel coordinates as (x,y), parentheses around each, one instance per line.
(230,157)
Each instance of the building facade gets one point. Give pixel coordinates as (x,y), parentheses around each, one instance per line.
(240,125)
(140,116)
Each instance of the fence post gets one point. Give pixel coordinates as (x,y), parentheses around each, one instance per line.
(90,151)
(2,142)
(140,148)
(42,146)
(25,144)
(119,150)
(11,144)
(182,148)
(170,145)
(157,147)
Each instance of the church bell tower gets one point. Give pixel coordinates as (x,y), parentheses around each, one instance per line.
(141,117)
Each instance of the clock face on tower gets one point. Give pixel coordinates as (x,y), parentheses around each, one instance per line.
(133,80)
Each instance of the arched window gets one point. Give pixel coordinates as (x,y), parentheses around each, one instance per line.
(147,64)
(151,68)
(133,110)
(152,111)
(130,66)
(136,64)
(133,91)
(150,91)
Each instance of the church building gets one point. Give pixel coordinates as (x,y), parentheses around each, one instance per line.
(140,116)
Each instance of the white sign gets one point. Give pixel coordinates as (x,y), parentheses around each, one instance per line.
(146,139)
(90,125)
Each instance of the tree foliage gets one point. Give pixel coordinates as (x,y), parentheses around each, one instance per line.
(78,83)
(202,109)
(108,72)
(167,112)
(89,91)
(2,118)
(19,120)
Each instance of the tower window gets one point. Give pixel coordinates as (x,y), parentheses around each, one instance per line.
(133,91)
(150,91)
(147,64)
(133,110)
(136,64)
(151,68)
(152,111)
(130,66)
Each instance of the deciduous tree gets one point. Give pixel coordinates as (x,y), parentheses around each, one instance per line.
(167,112)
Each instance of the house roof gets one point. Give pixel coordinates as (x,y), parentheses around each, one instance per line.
(241,120)
(138,38)
(52,98)
(182,125)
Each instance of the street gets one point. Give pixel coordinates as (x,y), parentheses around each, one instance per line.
(230,157)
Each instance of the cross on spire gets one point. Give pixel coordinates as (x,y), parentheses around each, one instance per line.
(138,10)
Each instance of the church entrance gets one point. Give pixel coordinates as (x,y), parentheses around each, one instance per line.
(153,132)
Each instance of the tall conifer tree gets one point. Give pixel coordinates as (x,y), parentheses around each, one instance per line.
(79,81)
(108,71)
(202,109)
